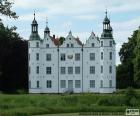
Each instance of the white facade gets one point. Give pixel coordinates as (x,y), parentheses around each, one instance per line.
(72,66)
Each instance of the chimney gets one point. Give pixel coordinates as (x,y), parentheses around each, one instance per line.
(54,36)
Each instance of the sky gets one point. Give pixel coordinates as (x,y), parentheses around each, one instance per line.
(79,16)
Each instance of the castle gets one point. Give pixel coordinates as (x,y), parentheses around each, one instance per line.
(58,67)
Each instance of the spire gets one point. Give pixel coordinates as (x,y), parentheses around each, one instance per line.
(107,29)
(34,25)
(47,30)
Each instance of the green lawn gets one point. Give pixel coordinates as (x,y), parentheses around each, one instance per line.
(39,104)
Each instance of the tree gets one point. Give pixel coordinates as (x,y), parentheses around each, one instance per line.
(13,61)
(128,72)
(5,9)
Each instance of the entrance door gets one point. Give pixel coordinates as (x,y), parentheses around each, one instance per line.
(70,84)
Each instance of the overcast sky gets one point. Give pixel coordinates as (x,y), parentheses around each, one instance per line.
(79,16)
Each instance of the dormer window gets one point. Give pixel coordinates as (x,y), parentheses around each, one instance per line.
(67,45)
(72,45)
(37,44)
(110,43)
(92,45)
(101,43)
(47,45)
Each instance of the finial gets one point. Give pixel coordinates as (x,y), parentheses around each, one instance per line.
(106,12)
(70,32)
(34,14)
(46,20)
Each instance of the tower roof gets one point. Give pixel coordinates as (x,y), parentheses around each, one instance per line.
(34,21)
(106,20)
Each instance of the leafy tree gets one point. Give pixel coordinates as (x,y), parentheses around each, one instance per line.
(61,40)
(13,60)
(5,9)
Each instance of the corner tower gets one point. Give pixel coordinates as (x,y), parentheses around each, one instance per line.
(107,59)
(34,58)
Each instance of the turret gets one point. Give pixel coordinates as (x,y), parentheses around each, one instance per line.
(34,30)
(47,30)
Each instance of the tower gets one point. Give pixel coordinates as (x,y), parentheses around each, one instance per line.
(34,58)
(47,30)
(107,58)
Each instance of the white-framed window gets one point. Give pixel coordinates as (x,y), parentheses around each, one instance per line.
(77,84)
(67,45)
(92,45)
(101,83)
(28,56)
(102,55)
(101,68)
(49,84)
(92,56)
(77,70)
(29,84)
(77,56)
(101,43)
(110,43)
(70,70)
(63,57)
(110,69)
(29,69)
(63,70)
(37,56)
(92,83)
(110,83)
(37,44)
(92,69)
(110,55)
(72,45)
(48,70)
(37,84)
(47,45)
(37,69)
(63,83)
(48,57)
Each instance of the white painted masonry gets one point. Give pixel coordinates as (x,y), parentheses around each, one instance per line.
(72,66)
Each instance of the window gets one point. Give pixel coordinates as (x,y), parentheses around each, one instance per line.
(92,45)
(29,44)
(77,83)
(63,83)
(37,44)
(63,58)
(110,69)
(77,56)
(72,45)
(101,83)
(37,56)
(77,70)
(47,45)
(110,55)
(29,84)
(70,70)
(28,56)
(101,43)
(92,83)
(48,57)
(37,84)
(67,45)
(101,69)
(48,70)
(110,83)
(49,84)
(110,43)
(92,56)
(92,69)
(29,69)
(102,55)
(63,70)
(37,69)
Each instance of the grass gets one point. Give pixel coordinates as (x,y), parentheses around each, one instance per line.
(37,104)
